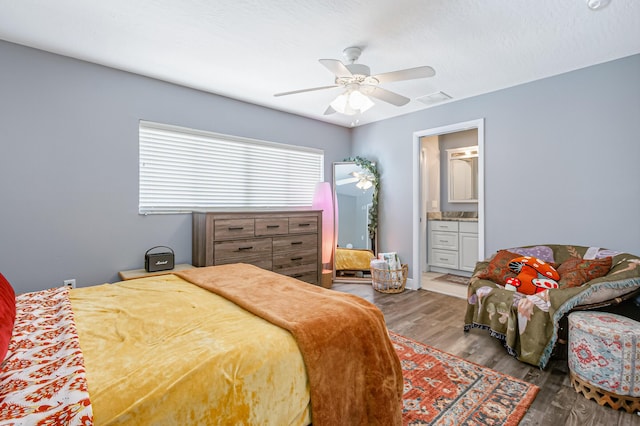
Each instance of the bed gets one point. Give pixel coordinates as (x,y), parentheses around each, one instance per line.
(351,262)
(230,344)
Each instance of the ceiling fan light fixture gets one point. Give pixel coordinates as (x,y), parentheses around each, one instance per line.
(359,101)
(364,180)
(364,184)
(340,103)
(351,102)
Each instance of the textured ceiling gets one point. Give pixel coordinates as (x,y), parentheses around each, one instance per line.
(250,49)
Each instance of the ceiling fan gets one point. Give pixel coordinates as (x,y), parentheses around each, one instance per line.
(363,180)
(360,84)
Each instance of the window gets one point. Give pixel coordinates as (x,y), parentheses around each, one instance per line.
(182,170)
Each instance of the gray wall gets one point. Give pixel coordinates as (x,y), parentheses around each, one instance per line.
(69,163)
(561,161)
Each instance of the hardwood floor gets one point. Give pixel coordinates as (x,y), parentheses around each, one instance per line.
(437,320)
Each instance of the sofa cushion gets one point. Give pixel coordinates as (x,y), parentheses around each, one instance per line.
(541,252)
(498,269)
(576,271)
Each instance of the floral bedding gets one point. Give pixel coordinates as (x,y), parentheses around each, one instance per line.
(528,324)
(43,374)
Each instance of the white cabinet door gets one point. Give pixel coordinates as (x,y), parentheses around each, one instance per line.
(468,251)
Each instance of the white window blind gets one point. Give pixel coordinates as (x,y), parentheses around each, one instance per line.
(182,170)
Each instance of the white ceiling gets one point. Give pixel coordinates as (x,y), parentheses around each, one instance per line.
(251,49)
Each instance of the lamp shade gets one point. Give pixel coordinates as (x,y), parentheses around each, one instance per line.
(351,102)
(323,200)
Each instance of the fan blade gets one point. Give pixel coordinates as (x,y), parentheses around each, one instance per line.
(336,67)
(408,74)
(387,96)
(329,110)
(305,90)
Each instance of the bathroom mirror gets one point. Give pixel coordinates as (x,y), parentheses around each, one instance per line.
(463,174)
(355,187)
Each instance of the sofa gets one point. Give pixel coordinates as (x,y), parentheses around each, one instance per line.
(528,312)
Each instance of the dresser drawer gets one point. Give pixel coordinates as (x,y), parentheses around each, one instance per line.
(297,256)
(284,260)
(272,226)
(305,273)
(444,240)
(231,229)
(444,259)
(295,243)
(444,225)
(302,224)
(242,251)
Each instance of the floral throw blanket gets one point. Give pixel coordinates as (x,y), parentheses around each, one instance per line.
(42,379)
(528,324)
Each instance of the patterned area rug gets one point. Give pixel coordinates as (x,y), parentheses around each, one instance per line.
(443,389)
(455,279)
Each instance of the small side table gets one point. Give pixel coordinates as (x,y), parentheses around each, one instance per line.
(140,273)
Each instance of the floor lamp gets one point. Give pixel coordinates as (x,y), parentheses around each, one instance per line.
(323,200)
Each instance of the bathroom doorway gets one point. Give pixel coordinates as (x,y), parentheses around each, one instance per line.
(425,200)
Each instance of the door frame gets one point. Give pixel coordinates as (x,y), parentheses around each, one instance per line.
(419,233)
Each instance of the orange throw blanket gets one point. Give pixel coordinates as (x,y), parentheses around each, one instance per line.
(354,372)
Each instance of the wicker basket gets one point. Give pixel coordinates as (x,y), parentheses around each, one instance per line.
(389,281)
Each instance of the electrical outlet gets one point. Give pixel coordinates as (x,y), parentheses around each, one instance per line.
(71,283)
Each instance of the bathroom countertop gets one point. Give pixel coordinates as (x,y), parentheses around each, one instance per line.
(453,216)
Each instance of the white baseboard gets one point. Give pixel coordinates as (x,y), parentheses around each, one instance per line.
(411,284)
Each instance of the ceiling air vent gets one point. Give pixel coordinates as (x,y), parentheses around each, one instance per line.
(434,98)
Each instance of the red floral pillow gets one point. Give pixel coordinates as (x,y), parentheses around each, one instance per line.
(498,270)
(7,315)
(575,271)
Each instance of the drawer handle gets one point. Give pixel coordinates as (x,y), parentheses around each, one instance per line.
(296,243)
(443,241)
(236,228)
(297,275)
(304,224)
(296,258)
(245,248)
(444,259)
(273,226)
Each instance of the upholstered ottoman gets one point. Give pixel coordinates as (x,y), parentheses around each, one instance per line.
(604,358)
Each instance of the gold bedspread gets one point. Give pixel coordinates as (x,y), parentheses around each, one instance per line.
(160,350)
(354,371)
(353,259)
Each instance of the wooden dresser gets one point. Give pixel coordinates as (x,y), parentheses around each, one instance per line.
(286,242)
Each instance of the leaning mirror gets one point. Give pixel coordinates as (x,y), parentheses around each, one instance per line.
(355,185)
(463,174)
